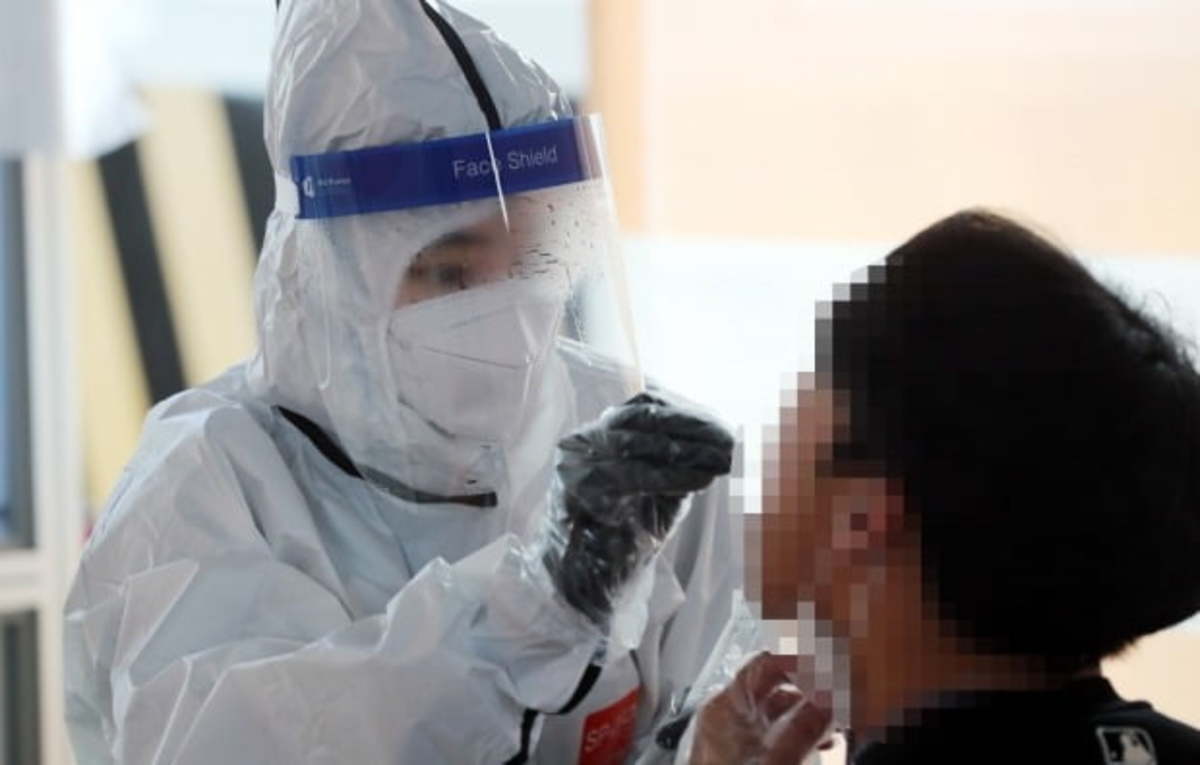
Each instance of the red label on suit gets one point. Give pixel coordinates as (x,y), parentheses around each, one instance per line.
(608,733)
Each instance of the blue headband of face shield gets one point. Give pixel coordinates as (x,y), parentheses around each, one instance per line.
(447,170)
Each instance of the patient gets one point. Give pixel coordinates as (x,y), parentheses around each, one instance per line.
(993,484)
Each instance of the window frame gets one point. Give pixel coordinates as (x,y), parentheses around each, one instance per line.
(36,265)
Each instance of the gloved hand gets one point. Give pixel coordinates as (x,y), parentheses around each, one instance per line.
(619,486)
(760,717)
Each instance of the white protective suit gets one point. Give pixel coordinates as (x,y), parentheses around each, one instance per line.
(249,596)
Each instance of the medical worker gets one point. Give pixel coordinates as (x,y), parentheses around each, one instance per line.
(366,544)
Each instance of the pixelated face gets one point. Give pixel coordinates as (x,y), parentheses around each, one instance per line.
(823,531)
(795,503)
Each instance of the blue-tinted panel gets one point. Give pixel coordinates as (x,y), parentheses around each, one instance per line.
(7,363)
(18,688)
(14,462)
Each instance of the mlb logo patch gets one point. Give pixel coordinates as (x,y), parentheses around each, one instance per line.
(1126,746)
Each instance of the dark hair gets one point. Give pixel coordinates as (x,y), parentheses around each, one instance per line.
(1046,435)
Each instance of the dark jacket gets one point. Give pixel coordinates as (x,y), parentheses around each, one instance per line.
(1084,722)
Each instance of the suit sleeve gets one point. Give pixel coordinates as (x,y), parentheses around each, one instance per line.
(190,639)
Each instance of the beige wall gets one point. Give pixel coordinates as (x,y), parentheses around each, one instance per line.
(864,120)
(620,55)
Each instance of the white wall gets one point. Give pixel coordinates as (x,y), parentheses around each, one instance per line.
(727,323)
(225,44)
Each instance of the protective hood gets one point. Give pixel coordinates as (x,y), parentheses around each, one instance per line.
(430,394)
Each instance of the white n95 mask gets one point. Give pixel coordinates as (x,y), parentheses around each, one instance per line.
(469,363)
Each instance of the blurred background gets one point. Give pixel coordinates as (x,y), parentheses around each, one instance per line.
(761,152)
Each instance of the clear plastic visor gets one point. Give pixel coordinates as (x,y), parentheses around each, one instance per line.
(462,286)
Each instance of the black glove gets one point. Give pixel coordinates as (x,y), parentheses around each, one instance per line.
(619,486)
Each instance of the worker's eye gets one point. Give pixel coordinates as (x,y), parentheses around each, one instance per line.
(457,261)
(449,276)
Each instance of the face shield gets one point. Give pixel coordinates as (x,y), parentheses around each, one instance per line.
(449,278)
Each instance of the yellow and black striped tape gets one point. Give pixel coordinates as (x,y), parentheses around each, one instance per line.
(166,232)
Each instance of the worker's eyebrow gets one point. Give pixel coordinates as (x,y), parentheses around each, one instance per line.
(460,238)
